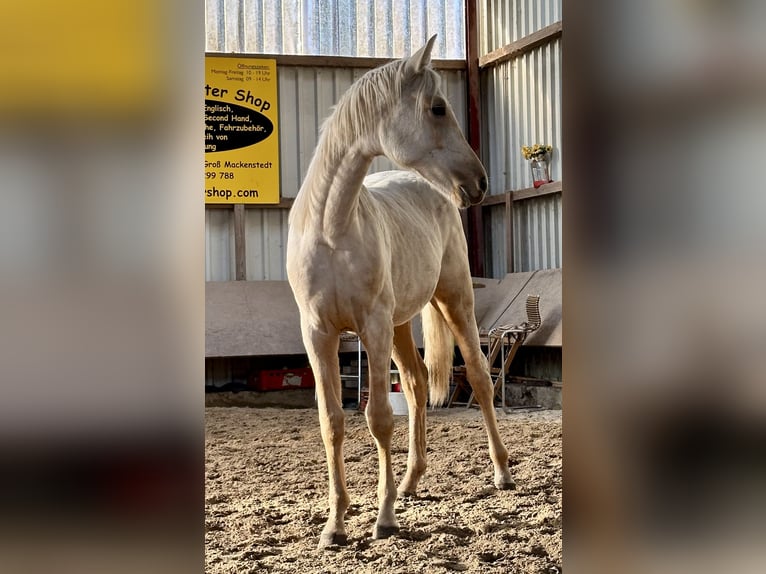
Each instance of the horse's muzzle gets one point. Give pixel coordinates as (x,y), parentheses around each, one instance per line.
(474,196)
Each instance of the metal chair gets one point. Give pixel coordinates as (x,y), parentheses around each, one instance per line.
(504,341)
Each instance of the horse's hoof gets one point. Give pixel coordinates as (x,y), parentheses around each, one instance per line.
(407,493)
(505,485)
(384,531)
(328,539)
(503,480)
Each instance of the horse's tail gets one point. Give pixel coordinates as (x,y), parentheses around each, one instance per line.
(439,352)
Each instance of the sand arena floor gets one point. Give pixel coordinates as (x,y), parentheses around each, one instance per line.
(266,495)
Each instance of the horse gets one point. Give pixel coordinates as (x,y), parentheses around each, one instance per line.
(367,254)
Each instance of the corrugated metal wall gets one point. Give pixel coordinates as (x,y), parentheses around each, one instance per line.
(379,28)
(219,245)
(305,98)
(505,21)
(537,233)
(521,106)
(494,241)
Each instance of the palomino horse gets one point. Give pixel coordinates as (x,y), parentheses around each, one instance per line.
(368,254)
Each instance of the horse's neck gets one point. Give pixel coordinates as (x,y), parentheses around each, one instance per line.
(333,184)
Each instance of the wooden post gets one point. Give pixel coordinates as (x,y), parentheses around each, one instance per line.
(475,215)
(239,242)
(508,217)
(472,74)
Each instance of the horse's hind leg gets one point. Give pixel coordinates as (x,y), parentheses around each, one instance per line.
(462,323)
(414,377)
(377,337)
(322,350)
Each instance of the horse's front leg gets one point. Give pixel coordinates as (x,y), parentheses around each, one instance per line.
(378,340)
(322,350)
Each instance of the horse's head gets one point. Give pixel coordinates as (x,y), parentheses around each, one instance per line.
(419,131)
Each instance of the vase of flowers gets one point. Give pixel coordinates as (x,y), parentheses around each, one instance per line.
(538,156)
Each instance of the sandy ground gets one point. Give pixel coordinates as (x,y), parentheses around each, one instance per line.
(266,495)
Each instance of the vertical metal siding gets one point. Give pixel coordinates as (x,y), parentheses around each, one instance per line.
(522,106)
(537,233)
(380,28)
(265,244)
(505,21)
(219,245)
(495,228)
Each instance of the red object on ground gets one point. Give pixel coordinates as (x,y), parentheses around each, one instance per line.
(285,379)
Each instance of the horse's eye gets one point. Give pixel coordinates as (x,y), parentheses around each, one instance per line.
(438,110)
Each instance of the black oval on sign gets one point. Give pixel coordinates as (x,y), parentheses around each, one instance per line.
(229,126)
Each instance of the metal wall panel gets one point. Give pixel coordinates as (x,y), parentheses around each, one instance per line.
(522,106)
(265,244)
(306,96)
(494,241)
(536,236)
(521,103)
(219,245)
(379,28)
(505,21)
(537,233)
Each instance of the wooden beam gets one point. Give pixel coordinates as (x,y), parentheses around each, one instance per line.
(526,193)
(239,242)
(285,203)
(496,199)
(334,61)
(522,46)
(508,220)
(546,189)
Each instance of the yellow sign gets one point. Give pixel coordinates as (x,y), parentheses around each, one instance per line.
(241,131)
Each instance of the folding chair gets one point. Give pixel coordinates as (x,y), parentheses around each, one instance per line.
(513,336)
(459,373)
(460,383)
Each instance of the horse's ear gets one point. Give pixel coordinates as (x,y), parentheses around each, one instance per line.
(420,59)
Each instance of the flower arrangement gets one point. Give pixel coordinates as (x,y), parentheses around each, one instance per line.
(537,151)
(538,155)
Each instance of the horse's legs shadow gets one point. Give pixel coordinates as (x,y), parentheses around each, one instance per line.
(419,497)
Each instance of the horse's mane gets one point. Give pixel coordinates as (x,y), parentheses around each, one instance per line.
(356,115)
